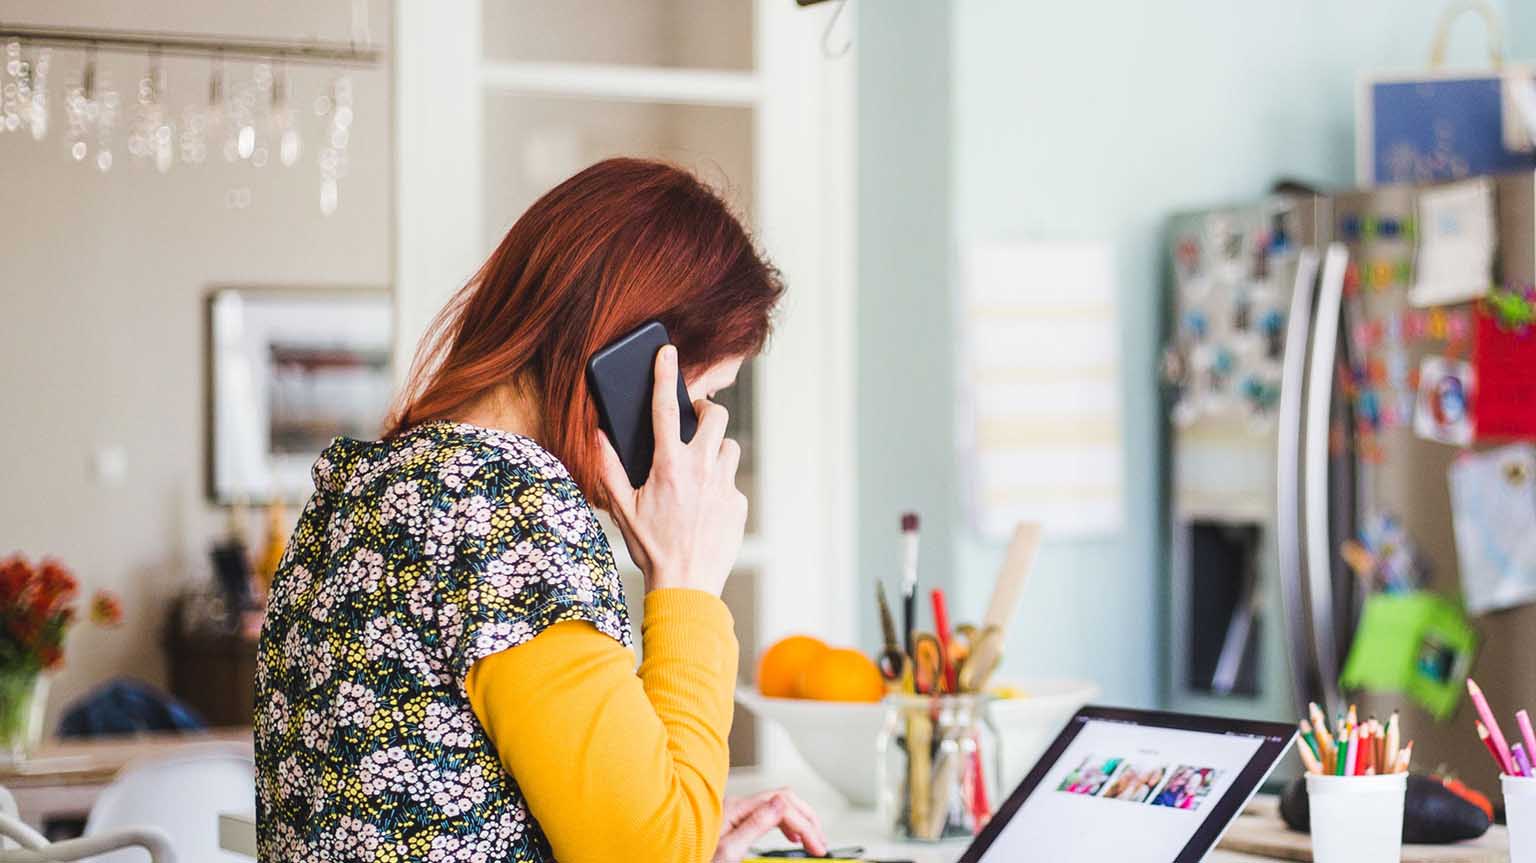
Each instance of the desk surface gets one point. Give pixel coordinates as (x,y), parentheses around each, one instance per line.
(97,761)
(845,825)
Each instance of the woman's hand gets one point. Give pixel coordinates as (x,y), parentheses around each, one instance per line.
(748,819)
(684,526)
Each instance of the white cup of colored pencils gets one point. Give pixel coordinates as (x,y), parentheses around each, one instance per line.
(1517,774)
(1357,780)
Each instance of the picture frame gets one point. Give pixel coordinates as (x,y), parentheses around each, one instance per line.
(288,369)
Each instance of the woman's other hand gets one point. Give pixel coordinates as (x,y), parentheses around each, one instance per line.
(748,819)
(684,526)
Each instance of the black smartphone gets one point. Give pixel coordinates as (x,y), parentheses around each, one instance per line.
(621,376)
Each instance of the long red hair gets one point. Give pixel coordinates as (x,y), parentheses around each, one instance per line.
(620,243)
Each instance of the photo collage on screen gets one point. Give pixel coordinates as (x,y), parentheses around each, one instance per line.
(1139,781)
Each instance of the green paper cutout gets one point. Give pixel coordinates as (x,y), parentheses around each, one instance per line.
(1417,644)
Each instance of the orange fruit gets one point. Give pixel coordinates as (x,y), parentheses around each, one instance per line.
(842,675)
(779,669)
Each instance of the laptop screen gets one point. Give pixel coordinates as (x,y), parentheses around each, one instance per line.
(1134,787)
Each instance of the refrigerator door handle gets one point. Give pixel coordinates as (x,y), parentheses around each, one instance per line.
(1315,455)
(1288,478)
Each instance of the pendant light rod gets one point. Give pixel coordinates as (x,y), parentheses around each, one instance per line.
(197,45)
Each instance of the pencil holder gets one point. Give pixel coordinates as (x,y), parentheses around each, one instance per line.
(1357,819)
(939,766)
(1520,811)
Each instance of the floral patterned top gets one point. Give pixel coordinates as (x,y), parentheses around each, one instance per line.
(414,558)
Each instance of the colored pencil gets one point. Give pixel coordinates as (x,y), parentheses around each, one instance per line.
(1500,746)
(1522,761)
(1308,759)
(945,636)
(1366,748)
(1354,748)
(1368,754)
(1392,740)
(1483,735)
(1309,738)
(1325,747)
(1523,720)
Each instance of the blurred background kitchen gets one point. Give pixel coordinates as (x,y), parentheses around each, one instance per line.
(225,226)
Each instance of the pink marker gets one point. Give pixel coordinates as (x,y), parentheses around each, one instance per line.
(1523,720)
(1506,761)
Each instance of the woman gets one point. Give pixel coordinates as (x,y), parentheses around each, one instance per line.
(446,670)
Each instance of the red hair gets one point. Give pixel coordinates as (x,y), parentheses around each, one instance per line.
(620,243)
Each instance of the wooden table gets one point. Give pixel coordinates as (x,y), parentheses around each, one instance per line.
(1259,832)
(64,777)
(846,825)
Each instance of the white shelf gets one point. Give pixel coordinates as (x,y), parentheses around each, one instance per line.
(625,83)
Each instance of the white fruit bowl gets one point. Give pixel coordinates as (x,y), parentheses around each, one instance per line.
(839,739)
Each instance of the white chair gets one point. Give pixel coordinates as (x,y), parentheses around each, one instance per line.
(21,844)
(182,793)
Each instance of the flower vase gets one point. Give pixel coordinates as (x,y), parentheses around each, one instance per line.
(23,695)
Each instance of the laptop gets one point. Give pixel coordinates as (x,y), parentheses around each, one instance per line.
(1133,786)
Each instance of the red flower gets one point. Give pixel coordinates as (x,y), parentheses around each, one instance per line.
(37,606)
(51,656)
(106,609)
(56,586)
(15,574)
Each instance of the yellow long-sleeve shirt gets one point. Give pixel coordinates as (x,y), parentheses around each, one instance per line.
(617,765)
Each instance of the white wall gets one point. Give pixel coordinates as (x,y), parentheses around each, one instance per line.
(102,280)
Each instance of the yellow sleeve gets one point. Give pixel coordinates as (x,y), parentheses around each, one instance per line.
(615,765)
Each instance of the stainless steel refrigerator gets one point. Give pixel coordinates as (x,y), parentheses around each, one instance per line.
(1269,467)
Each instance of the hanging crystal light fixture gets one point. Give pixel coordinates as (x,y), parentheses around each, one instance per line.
(91,109)
(24,96)
(152,135)
(254,123)
(242,145)
(280,120)
(336,107)
(39,87)
(202,125)
(16,86)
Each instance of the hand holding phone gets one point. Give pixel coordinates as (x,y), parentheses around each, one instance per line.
(684,524)
(622,378)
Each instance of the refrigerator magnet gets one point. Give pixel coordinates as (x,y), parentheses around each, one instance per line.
(1416,643)
(1506,399)
(1514,308)
(1456,243)
(1444,409)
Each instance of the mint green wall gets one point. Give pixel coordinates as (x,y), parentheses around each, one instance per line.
(1522,25)
(904,361)
(983,119)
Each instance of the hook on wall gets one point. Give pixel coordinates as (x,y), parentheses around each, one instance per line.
(826,35)
(829,50)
